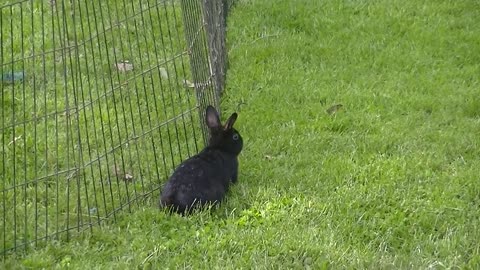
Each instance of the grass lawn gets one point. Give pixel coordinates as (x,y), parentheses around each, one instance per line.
(391,180)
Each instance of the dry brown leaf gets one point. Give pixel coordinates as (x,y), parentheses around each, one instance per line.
(128,177)
(124,66)
(188,84)
(120,174)
(334,109)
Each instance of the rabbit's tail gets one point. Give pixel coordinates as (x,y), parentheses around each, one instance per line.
(167,200)
(171,202)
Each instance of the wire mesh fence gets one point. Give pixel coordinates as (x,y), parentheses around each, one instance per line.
(99,101)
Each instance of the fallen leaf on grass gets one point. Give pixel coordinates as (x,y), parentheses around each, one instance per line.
(127,177)
(334,109)
(124,66)
(188,84)
(15,140)
(163,73)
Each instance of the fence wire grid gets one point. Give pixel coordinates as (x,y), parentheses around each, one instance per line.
(100,100)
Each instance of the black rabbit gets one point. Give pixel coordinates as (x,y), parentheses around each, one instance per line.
(205,178)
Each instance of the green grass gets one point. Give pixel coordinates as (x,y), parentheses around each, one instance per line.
(391,181)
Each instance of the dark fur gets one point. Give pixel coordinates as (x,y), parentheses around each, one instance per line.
(205,178)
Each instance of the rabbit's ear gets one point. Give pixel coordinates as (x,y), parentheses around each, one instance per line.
(212,118)
(231,120)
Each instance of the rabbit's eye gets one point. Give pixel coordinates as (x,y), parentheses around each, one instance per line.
(235,137)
